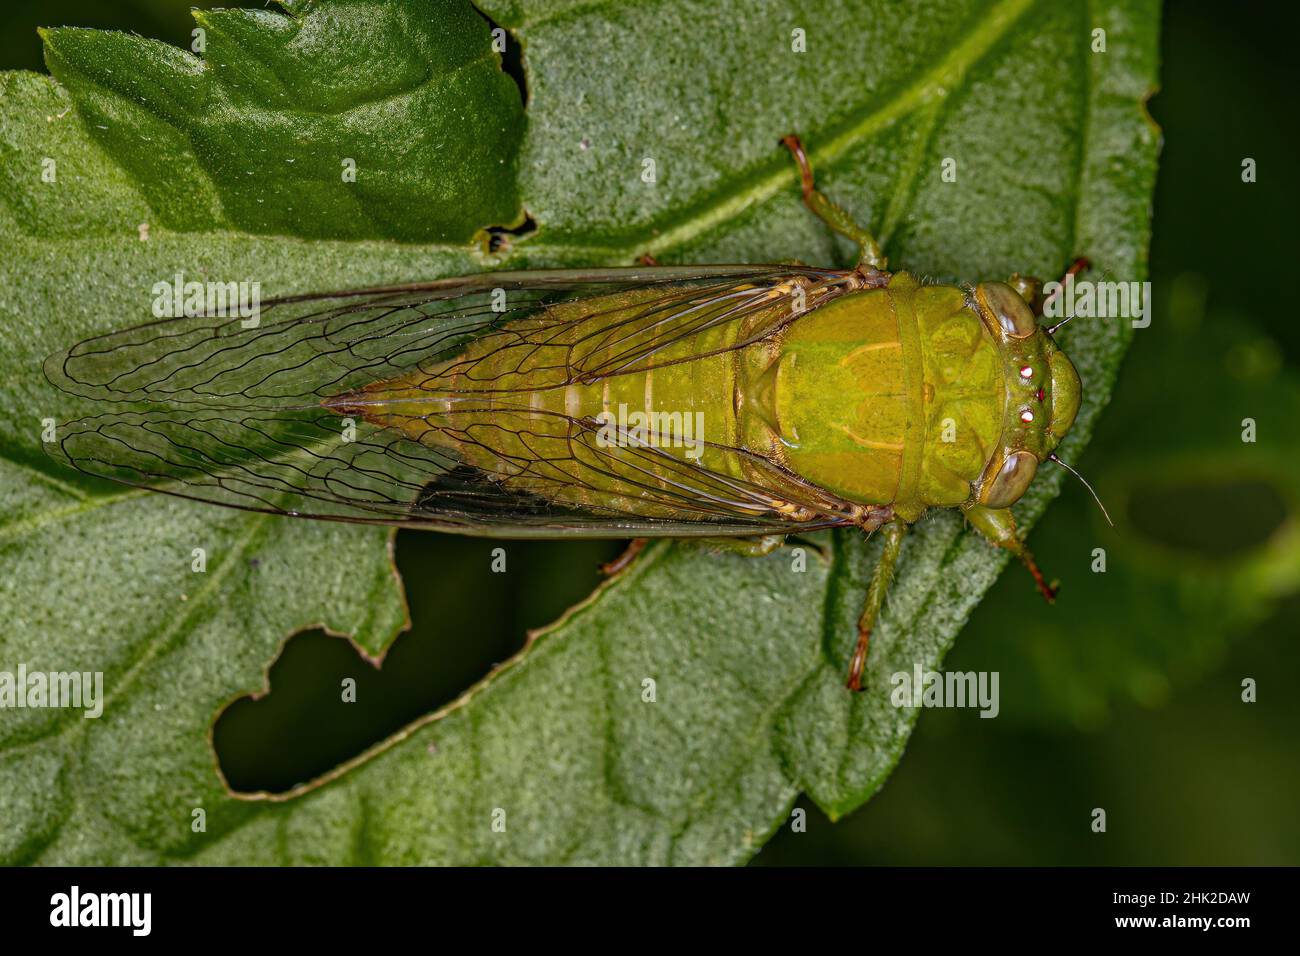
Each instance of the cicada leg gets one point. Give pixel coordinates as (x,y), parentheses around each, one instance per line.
(1031,288)
(622,562)
(1080,264)
(998,525)
(832,213)
(893,533)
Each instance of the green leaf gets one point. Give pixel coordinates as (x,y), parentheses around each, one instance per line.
(257,135)
(1055,157)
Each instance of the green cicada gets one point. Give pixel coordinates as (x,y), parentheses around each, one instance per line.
(742,402)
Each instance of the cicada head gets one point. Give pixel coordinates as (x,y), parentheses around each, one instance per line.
(1043,393)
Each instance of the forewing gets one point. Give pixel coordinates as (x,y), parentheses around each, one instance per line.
(234,412)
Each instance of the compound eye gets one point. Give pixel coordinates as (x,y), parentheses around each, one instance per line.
(1011,481)
(1007,308)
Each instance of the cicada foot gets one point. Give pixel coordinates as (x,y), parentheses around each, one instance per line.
(624,560)
(858,662)
(1080,264)
(831,213)
(1048,591)
(998,525)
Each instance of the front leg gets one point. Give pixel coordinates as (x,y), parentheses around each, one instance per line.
(1031,289)
(998,525)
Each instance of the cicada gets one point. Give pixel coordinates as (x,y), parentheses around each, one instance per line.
(737,401)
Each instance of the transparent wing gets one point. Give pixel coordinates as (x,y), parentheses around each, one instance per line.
(249,415)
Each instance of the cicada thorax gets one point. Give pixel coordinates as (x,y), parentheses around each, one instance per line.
(890,396)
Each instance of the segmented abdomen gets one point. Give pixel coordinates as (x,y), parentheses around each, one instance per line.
(541,406)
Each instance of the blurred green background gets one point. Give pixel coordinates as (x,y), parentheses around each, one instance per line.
(1127,694)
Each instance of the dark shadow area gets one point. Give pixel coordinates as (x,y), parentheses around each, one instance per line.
(968,795)
(466,618)
(1245,515)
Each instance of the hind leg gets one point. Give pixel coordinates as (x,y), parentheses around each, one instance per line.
(894,533)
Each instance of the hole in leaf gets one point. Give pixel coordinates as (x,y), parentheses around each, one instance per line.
(512,57)
(500,239)
(1214,519)
(465,618)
